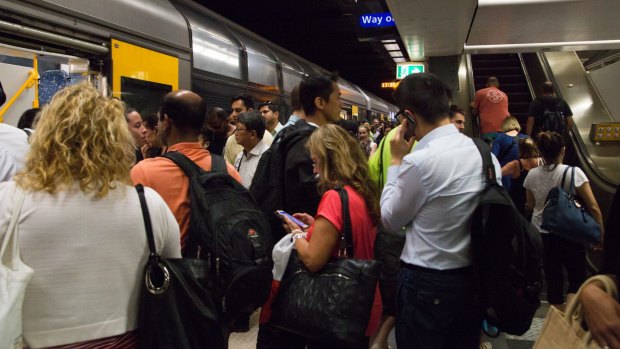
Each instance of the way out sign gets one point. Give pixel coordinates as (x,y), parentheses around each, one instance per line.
(404,69)
(374,20)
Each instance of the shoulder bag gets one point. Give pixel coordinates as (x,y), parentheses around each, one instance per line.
(177,300)
(563,330)
(564,216)
(14,277)
(333,304)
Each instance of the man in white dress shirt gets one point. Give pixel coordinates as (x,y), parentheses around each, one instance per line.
(433,192)
(249,135)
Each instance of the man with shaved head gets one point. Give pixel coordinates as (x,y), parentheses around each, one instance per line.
(491,104)
(181,115)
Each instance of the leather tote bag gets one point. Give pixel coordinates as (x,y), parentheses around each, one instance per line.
(14,277)
(566,217)
(177,301)
(332,305)
(563,330)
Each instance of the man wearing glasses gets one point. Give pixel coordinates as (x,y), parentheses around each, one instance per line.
(239,104)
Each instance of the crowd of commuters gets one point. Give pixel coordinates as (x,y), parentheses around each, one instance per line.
(411,187)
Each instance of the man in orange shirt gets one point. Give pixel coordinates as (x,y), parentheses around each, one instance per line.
(492,106)
(181,116)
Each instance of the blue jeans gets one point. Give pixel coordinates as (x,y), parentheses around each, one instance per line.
(437,309)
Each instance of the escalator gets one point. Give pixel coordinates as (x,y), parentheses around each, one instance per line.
(600,162)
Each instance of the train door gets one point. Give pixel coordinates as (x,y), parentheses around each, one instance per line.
(141,77)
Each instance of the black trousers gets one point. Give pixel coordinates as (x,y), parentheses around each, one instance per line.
(561,253)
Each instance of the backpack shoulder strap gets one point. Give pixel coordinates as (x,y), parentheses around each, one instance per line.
(346,242)
(218,164)
(487,162)
(188,166)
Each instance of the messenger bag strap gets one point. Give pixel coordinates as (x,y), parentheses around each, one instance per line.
(346,241)
(487,162)
(147,222)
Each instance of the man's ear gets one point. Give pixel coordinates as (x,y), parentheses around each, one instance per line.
(319,103)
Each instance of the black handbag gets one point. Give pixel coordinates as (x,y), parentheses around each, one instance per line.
(178,308)
(332,305)
(567,218)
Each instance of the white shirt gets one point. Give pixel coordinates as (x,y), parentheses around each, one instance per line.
(231,149)
(541,180)
(246,164)
(275,131)
(88,257)
(434,193)
(15,142)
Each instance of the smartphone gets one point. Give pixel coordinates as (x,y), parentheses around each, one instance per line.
(283,214)
(410,131)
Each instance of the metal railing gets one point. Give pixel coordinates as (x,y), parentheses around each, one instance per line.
(31,81)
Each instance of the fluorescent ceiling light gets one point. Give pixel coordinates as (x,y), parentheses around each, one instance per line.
(388,41)
(399,59)
(391,47)
(543,44)
(395,53)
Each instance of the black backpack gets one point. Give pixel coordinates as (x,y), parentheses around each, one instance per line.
(507,256)
(268,183)
(553,118)
(228,229)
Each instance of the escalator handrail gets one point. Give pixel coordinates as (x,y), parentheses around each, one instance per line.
(591,170)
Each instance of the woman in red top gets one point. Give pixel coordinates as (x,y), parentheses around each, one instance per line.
(339,160)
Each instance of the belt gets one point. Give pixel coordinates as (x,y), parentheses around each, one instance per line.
(436,271)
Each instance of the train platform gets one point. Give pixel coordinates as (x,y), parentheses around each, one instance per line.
(247,340)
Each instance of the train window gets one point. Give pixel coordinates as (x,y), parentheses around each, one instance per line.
(292,72)
(145,96)
(215,49)
(261,63)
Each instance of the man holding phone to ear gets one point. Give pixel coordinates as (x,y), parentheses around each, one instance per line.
(432,193)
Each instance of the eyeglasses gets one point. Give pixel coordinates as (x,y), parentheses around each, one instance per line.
(404,113)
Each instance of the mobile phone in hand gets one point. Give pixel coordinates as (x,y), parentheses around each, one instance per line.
(283,214)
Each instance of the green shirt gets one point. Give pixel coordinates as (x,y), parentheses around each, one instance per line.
(380,161)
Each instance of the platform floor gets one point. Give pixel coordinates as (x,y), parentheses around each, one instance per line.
(248,340)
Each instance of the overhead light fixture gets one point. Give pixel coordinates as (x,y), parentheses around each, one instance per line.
(395,53)
(542,45)
(388,41)
(391,47)
(399,59)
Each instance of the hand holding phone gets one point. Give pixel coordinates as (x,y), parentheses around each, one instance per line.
(283,214)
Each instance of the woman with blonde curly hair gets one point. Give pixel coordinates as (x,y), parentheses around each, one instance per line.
(81,228)
(338,161)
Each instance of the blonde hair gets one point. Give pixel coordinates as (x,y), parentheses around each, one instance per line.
(511,124)
(343,163)
(81,137)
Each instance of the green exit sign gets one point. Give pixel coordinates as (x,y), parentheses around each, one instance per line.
(404,69)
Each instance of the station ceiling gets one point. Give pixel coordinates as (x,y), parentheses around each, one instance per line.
(325,32)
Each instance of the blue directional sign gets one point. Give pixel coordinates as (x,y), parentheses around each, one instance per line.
(374,20)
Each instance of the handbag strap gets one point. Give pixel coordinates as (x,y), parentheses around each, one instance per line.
(571,189)
(147,222)
(9,253)
(346,240)
(573,310)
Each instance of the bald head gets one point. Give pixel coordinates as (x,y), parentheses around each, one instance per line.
(185,109)
(492,81)
(548,88)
